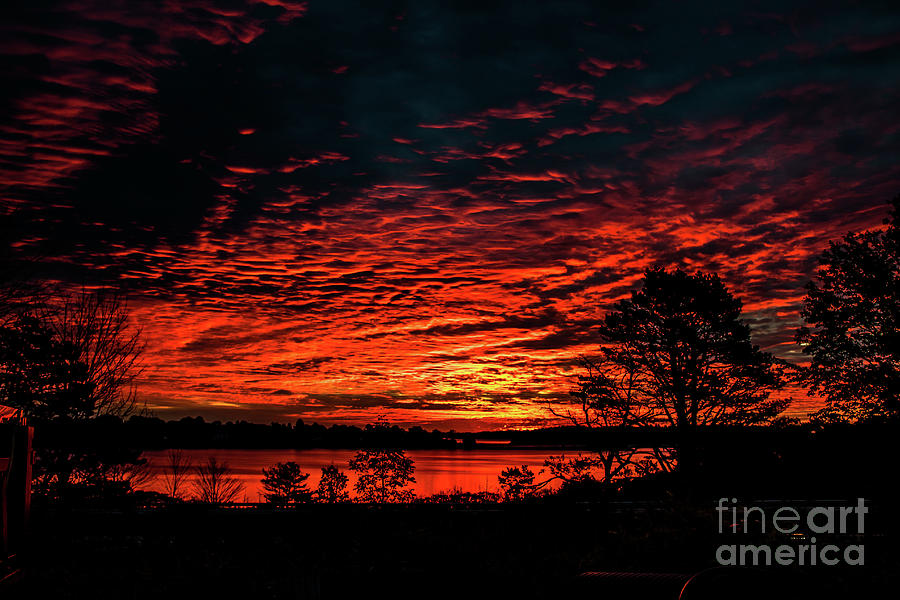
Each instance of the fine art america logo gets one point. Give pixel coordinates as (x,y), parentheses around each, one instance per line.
(801,526)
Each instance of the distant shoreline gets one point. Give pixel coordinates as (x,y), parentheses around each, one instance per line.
(149,433)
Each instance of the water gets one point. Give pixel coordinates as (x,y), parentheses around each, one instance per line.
(436,470)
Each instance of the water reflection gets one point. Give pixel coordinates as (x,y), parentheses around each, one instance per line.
(436,470)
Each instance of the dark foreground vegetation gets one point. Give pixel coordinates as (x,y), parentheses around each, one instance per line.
(679,412)
(524,550)
(131,546)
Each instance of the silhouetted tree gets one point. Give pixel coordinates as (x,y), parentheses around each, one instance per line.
(285,483)
(94,328)
(175,473)
(607,396)
(73,358)
(130,474)
(332,486)
(34,374)
(215,483)
(382,475)
(853,313)
(517,483)
(688,357)
(101,473)
(576,469)
(76,358)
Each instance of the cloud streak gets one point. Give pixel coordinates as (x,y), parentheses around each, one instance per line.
(330,212)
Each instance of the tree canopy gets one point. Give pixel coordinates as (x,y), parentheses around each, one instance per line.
(332,486)
(285,483)
(677,353)
(72,357)
(382,475)
(852,330)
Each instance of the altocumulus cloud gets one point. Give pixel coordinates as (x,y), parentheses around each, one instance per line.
(324,209)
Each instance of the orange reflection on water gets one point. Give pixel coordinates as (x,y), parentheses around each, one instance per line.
(436,470)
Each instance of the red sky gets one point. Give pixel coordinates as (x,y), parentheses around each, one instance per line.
(330,212)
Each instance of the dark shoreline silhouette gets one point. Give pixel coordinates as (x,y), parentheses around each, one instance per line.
(151,433)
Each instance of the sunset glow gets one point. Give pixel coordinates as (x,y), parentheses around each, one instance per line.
(422,213)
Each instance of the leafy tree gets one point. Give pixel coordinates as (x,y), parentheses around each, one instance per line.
(686,358)
(285,483)
(34,374)
(382,475)
(577,469)
(129,474)
(332,486)
(71,358)
(852,334)
(99,474)
(517,483)
(76,358)
(215,483)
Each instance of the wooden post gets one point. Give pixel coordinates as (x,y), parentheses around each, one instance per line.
(15,487)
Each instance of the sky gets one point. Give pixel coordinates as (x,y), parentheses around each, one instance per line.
(335,210)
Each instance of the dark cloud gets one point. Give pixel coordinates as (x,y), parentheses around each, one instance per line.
(330,200)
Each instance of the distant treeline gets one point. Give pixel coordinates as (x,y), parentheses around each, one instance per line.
(151,433)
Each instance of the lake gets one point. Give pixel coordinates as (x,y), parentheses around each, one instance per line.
(436,470)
